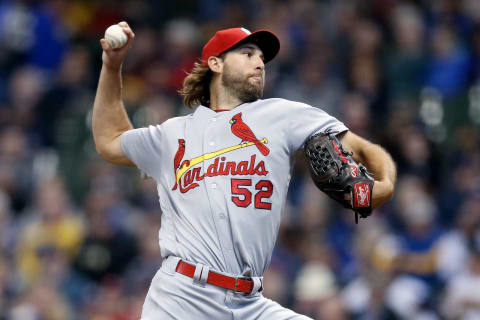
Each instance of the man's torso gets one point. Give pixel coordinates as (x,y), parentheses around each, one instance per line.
(223,177)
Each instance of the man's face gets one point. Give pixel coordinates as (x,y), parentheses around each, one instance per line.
(244,72)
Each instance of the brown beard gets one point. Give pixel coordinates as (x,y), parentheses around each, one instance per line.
(240,86)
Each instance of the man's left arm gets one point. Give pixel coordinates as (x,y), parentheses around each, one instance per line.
(378,162)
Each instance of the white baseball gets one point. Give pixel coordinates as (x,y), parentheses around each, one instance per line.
(115,36)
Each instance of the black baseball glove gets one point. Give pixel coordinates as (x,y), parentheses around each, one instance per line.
(336,173)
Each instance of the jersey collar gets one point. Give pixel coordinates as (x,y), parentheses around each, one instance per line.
(202,110)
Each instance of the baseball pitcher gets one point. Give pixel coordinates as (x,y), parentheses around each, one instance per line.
(222,174)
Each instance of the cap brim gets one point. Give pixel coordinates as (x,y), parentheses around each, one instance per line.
(267,42)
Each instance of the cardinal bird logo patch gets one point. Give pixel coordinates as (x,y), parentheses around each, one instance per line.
(243,131)
(187,173)
(178,158)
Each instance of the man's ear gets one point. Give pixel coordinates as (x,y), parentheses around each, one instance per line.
(215,64)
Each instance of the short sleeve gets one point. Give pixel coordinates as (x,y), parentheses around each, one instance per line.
(305,120)
(143,147)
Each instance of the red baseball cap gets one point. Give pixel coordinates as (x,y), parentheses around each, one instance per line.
(226,39)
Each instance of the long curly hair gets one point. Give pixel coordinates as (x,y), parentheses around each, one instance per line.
(196,86)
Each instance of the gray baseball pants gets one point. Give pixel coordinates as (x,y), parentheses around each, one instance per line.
(175,296)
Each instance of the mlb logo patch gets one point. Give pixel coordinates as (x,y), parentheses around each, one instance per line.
(361,193)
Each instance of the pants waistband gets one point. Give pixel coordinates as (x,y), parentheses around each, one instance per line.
(202,275)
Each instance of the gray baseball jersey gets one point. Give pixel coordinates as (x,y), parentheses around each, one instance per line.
(222,178)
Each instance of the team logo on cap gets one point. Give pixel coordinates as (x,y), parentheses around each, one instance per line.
(245,30)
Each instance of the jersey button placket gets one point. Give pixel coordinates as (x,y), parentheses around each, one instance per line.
(226,242)
(221,218)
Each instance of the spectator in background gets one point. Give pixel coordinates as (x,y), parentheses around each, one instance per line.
(376,250)
(143,267)
(357,116)
(463,182)
(449,67)
(180,36)
(455,13)
(7,228)
(315,83)
(26,87)
(316,293)
(66,98)
(415,156)
(61,116)
(110,302)
(418,241)
(107,248)
(462,300)
(341,234)
(454,249)
(51,225)
(144,54)
(365,76)
(276,285)
(41,301)
(476,55)
(7,282)
(74,289)
(32,33)
(406,59)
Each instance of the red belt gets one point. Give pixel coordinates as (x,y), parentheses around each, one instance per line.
(236,284)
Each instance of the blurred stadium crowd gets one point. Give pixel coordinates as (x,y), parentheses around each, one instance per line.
(78,237)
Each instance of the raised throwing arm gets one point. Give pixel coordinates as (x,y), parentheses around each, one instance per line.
(110,119)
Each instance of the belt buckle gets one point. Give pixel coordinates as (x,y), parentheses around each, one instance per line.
(236,284)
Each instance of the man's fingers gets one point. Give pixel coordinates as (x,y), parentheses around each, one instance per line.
(105,45)
(128,32)
(130,36)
